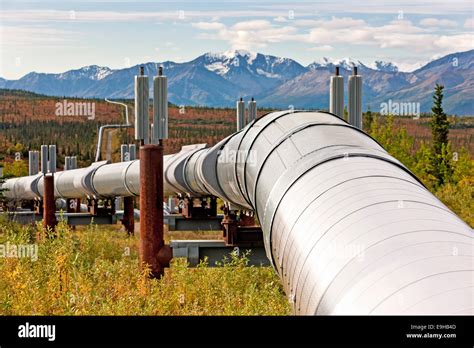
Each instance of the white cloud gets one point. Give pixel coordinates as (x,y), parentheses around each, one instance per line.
(252,25)
(280,19)
(115,16)
(469,23)
(399,34)
(454,43)
(323,48)
(434,22)
(248,35)
(34,36)
(423,7)
(333,23)
(208,25)
(326,35)
(88,16)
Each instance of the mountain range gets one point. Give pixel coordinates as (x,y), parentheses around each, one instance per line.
(219,79)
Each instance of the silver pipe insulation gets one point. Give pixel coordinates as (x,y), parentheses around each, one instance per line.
(44,158)
(252,108)
(354,99)
(70,162)
(160,107)
(141,107)
(336,94)
(240,114)
(100,180)
(33,162)
(347,227)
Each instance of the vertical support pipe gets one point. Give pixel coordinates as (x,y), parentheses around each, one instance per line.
(165,254)
(73,164)
(160,107)
(171,204)
(37,163)
(151,208)
(252,108)
(336,95)
(44,159)
(240,111)
(67,163)
(355,99)
(128,215)
(52,158)
(124,153)
(128,220)
(142,122)
(132,148)
(34,155)
(49,205)
(30,163)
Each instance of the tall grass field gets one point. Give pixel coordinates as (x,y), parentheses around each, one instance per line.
(95,271)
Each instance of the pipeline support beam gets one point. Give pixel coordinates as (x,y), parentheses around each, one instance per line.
(128,215)
(153,251)
(49,205)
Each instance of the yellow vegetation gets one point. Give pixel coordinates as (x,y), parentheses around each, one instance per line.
(94,271)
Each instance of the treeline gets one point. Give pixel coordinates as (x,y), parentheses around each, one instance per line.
(70,138)
(80,138)
(447,171)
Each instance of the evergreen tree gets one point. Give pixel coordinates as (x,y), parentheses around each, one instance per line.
(2,190)
(440,128)
(369,118)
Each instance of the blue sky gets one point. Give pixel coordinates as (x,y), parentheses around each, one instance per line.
(55,36)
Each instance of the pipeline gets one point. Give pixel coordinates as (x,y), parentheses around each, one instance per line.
(347,227)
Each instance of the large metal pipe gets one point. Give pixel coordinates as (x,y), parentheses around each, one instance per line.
(348,228)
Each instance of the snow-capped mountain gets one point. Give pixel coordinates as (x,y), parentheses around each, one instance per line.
(91,72)
(385,66)
(219,79)
(321,63)
(250,72)
(344,63)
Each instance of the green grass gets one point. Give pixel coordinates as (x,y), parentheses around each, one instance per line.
(95,271)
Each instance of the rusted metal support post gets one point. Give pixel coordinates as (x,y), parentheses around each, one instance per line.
(153,251)
(49,206)
(128,215)
(165,254)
